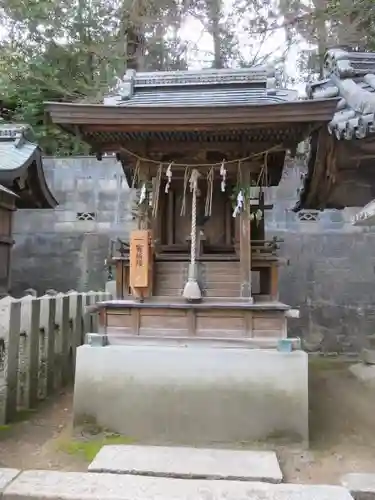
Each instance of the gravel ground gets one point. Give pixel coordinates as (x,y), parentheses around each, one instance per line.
(342,431)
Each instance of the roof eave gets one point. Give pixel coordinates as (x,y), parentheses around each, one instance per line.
(45,200)
(81,115)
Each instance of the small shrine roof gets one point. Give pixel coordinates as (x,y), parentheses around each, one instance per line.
(21,167)
(205,105)
(350,76)
(224,87)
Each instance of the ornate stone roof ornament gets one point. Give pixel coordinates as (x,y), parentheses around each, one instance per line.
(216,87)
(351,77)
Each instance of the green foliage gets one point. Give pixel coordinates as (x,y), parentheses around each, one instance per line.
(58,51)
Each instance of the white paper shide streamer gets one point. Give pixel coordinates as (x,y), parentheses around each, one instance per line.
(142,195)
(239,204)
(169,177)
(223,174)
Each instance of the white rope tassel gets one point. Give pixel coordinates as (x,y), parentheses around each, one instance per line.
(192,290)
(168,173)
(223,173)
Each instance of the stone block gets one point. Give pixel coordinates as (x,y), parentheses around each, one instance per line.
(96,340)
(196,463)
(6,477)
(52,485)
(368,356)
(361,486)
(110,287)
(107,185)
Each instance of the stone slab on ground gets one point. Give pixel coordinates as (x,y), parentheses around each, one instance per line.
(198,463)
(364,373)
(6,476)
(52,485)
(361,486)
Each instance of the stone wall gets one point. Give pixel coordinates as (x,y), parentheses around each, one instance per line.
(56,248)
(330,274)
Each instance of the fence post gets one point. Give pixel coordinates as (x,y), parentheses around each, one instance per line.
(79,337)
(66,340)
(58,341)
(23,351)
(32,378)
(50,347)
(77,319)
(94,298)
(87,323)
(8,395)
(4,339)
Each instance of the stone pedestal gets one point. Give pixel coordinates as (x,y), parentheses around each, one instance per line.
(196,394)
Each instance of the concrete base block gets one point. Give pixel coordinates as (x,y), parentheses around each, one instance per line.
(6,477)
(51,485)
(193,395)
(361,486)
(196,463)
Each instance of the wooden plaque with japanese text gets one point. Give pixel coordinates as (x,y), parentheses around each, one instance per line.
(140,256)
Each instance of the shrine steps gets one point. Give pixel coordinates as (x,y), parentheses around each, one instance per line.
(170,278)
(217,279)
(221,279)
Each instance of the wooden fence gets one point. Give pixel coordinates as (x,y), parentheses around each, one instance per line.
(38,341)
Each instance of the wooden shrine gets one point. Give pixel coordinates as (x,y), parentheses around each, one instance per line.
(200,149)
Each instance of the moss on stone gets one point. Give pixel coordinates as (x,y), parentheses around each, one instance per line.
(88,449)
(322,363)
(4,430)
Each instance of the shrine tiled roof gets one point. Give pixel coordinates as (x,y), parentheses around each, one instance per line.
(14,149)
(350,76)
(21,167)
(231,87)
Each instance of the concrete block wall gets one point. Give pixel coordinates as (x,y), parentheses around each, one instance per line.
(53,248)
(330,276)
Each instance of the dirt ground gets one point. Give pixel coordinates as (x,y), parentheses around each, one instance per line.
(342,432)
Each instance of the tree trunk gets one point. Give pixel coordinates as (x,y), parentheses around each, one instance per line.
(214,17)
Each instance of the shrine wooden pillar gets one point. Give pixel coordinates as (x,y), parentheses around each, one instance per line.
(245,240)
